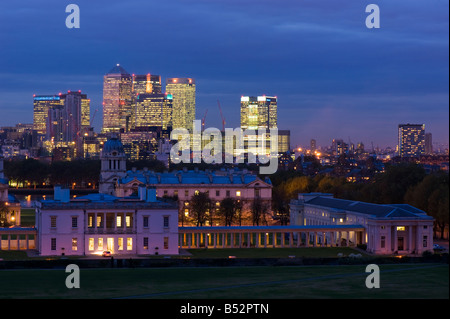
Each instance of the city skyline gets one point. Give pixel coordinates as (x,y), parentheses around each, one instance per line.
(333,77)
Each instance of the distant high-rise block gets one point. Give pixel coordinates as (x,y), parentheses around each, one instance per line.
(152,110)
(258,112)
(146,84)
(411,140)
(41,105)
(313,145)
(183,109)
(428,143)
(117,100)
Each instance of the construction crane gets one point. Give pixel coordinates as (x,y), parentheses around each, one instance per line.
(203,120)
(93,116)
(221,115)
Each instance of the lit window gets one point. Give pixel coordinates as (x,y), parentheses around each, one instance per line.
(341,220)
(91,244)
(238,193)
(100,244)
(186,212)
(400,228)
(74,244)
(129,243)
(90,221)
(128,220)
(119,221)
(99,221)
(120,243)
(197,192)
(145,242)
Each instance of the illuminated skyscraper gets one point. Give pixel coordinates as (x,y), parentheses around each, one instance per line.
(117,100)
(146,84)
(411,140)
(258,112)
(183,110)
(153,110)
(41,105)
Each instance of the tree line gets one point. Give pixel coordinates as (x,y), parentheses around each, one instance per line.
(227,212)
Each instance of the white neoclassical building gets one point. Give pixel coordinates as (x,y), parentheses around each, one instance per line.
(388,229)
(91,224)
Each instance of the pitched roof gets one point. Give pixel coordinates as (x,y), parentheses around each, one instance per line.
(192,177)
(376,210)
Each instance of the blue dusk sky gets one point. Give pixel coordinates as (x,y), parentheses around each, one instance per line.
(334,77)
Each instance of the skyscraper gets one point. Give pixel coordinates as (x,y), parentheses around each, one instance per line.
(153,110)
(428,143)
(411,140)
(117,100)
(258,112)
(146,84)
(41,105)
(76,114)
(183,93)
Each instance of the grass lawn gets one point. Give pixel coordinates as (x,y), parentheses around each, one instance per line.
(304,282)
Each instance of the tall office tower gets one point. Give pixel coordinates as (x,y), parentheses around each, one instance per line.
(153,110)
(313,145)
(41,105)
(428,143)
(55,127)
(76,112)
(117,100)
(146,84)
(183,109)
(411,140)
(85,112)
(258,112)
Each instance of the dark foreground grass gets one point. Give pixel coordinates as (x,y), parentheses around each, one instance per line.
(306,252)
(397,281)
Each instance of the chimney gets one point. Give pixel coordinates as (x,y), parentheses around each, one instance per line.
(57,192)
(142,194)
(65,195)
(151,194)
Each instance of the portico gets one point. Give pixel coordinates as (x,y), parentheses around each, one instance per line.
(270,236)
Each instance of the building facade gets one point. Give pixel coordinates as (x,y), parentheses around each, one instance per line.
(388,229)
(117,100)
(183,110)
(153,109)
(91,224)
(411,140)
(146,84)
(258,112)
(184,184)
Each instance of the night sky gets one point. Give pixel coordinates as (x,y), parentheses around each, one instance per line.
(334,78)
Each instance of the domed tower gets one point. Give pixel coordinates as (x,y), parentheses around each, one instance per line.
(113,165)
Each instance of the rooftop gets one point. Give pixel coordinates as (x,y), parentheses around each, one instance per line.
(376,210)
(230,177)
